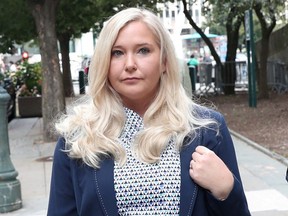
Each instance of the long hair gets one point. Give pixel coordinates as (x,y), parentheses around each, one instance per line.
(91,127)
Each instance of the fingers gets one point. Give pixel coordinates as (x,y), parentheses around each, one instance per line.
(201,153)
(202,150)
(210,172)
(196,156)
(192,164)
(201,164)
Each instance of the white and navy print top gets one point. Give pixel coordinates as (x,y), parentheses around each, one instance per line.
(142,188)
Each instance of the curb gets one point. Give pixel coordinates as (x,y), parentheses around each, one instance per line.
(266,151)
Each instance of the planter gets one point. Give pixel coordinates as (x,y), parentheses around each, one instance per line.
(30,106)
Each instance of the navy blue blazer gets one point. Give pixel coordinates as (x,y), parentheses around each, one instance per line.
(77,189)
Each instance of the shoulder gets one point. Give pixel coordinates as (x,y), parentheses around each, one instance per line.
(60,152)
(209,113)
(60,145)
(217,127)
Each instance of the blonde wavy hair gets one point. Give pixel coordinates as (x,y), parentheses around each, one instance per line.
(93,124)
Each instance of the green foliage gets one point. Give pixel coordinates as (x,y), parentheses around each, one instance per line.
(28,78)
(16,24)
(76,16)
(270,9)
(217,14)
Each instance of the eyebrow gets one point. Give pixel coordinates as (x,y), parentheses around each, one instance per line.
(137,45)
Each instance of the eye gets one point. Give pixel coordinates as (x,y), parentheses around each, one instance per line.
(144,50)
(116,53)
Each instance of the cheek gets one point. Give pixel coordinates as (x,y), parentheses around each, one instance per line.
(111,80)
(113,70)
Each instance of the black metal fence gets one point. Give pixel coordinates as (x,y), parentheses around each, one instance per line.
(210,80)
(208,77)
(277,76)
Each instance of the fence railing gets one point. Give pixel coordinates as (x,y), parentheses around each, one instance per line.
(277,76)
(208,77)
(209,80)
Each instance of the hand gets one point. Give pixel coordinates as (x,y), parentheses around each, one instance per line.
(211,173)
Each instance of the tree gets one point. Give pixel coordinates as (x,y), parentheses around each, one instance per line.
(234,20)
(53,101)
(233,23)
(16,18)
(231,14)
(70,24)
(266,13)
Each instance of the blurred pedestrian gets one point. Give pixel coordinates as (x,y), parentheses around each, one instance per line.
(193,61)
(138,145)
(207,72)
(193,71)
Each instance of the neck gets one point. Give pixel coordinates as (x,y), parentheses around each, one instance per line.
(138,107)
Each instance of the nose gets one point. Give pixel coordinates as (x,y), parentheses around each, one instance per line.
(130,63)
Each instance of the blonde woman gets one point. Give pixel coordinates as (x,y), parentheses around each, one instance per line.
(137,144)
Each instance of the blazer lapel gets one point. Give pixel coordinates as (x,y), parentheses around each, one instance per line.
(104,180)
(189,189)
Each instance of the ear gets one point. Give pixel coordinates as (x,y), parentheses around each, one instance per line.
(163,66)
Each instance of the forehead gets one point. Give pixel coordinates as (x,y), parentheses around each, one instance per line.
(136,30)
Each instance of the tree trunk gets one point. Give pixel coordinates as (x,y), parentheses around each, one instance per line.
(266,28)
(263,92)
(229,73)
(66,69)
(53,100)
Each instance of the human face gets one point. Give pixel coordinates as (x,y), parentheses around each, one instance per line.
(135,67)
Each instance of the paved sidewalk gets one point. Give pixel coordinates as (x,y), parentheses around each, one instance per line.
(262,173)
(30,157)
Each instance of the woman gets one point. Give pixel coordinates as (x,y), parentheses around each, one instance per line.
(138,145)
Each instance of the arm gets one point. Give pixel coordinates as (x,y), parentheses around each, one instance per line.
(215,168)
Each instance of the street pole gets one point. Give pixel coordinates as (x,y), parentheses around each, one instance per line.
(251,58)
(10,189)
(81,82)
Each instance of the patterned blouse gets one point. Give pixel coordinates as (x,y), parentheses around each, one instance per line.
(142,188)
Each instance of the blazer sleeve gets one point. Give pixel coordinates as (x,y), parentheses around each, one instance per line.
(62,199)
(222,145)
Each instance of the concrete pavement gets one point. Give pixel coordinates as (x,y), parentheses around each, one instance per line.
(30,157)
(263,173)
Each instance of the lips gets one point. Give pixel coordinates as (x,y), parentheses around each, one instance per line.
(131,79)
